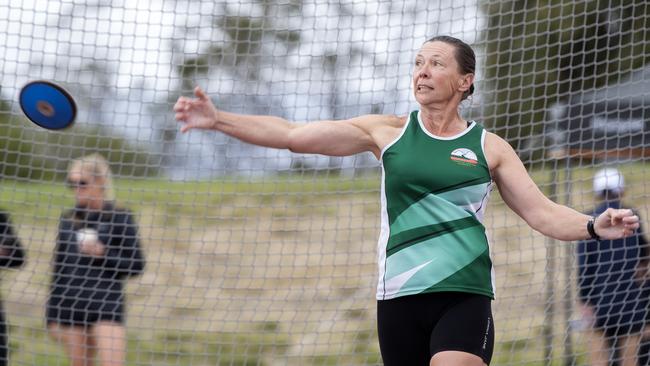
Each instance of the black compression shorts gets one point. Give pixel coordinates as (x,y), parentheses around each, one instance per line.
(414,328)
(83,313)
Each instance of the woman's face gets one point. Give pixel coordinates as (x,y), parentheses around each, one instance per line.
(88,190)
(436,77)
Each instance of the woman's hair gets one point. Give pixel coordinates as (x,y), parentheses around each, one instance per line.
(96,166)
(464,55)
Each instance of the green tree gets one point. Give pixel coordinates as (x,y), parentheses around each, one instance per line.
(17,153)
(240,49)
(26,153)
(541,51)
(29,152)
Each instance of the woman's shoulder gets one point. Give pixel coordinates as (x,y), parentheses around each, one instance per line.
(121,209)
(68,214)
(495,143)
(399,121)
(497,149)
(117,210)
(4,216)
(375,120)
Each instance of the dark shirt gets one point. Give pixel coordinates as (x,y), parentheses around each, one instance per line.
(11,250)
(81,276)
(11,255)
(607,272)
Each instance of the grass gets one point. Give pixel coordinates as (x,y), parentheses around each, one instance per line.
(200,348)
(31,346)
(44,201)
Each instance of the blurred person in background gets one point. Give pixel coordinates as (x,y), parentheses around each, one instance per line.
(97,248)
(12,255)
(611,280)
(644,275)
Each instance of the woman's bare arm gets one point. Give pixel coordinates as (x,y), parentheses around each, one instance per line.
(335,138)
(523,196)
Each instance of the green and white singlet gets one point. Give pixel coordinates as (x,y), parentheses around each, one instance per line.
(433,195)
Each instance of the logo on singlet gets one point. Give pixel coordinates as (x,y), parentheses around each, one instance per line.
(464,156)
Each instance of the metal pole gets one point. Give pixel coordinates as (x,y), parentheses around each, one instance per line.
(557,142)
(549,290)
(567,299)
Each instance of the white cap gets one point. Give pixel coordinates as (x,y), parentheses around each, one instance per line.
(608,179)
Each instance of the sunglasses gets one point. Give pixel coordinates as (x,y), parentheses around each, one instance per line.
(73,184)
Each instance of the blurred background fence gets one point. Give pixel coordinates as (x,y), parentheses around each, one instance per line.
(262,257)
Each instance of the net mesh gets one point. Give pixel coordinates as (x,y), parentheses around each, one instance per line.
(257,256)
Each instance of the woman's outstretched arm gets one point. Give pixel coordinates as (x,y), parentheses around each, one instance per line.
(523,196)
(335,138)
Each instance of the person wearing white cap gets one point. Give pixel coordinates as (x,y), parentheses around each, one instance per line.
(609,183)
(612,294)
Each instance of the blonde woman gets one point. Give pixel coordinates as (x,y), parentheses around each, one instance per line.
(97,248)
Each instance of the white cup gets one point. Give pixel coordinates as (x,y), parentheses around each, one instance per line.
(87,236)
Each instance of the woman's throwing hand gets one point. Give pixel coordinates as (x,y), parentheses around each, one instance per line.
(197,112)
(616,224)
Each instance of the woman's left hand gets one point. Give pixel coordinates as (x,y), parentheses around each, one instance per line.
(92,247)
(616,224)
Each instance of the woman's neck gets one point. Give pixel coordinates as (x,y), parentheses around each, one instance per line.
(442,121)
(95,205)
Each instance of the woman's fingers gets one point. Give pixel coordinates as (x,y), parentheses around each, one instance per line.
(616,217)
(617,223)
(200,93)
(186,127)
(194,112)
(630,223)
(181,104)
(630,219)
(181,109)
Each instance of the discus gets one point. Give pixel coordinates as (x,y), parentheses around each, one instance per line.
(48,105)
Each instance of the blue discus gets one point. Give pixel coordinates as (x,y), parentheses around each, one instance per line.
(47,105)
